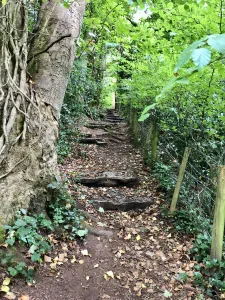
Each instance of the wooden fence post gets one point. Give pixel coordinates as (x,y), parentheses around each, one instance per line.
(219,215)
(213,177)
(155,136)
(180,179)
(147,141)
(135,126)
(130,116)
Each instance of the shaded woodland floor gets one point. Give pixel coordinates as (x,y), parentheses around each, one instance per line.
(132,254)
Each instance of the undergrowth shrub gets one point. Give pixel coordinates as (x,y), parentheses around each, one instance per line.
(32,232)
(187,222)
(209,274)
(64,213)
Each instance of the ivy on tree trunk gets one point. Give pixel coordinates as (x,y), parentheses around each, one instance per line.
(34,71)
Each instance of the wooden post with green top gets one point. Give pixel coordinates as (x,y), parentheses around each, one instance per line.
(155,136)
(180,179)
(219,216)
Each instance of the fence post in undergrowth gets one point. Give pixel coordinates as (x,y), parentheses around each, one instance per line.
(135,125)
(213,177)
(147,141)
(155,136)
(180,179)
(130,116)
(219,215)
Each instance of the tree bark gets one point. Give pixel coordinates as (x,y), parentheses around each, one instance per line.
(33,80)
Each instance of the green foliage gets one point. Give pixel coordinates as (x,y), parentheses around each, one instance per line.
(182,277)
(163,173)
(22,269)
(183,39)
(64,213)
(26,230)
(76,108)
(189,221)
(210,274)
(32,231)
(201,247)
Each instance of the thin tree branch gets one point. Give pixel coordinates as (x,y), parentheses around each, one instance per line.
(103,22)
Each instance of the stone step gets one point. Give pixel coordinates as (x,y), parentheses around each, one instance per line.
(92,140)
(113,140)
(124,203)
(113,121)
(98,125)
(109,179)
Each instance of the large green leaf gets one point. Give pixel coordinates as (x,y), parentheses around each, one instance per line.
(183,80)
(217,42)
(149,107)
(169,86)
(187,53)
(143,117)
(201,57)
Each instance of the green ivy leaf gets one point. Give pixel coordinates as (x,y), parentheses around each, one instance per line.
(33,248)
(12,271)
(10,241)
(20,223)
(217,42)
(82,232)
(201,57)
(35,257)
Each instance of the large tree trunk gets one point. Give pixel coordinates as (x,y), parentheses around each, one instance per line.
(33,80)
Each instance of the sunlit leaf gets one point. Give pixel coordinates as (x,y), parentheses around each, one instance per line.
(187,53)
(217,42)
(6,281)
(143,117)
(5,288)
(201,57)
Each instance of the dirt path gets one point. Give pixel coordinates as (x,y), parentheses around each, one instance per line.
(143,257)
